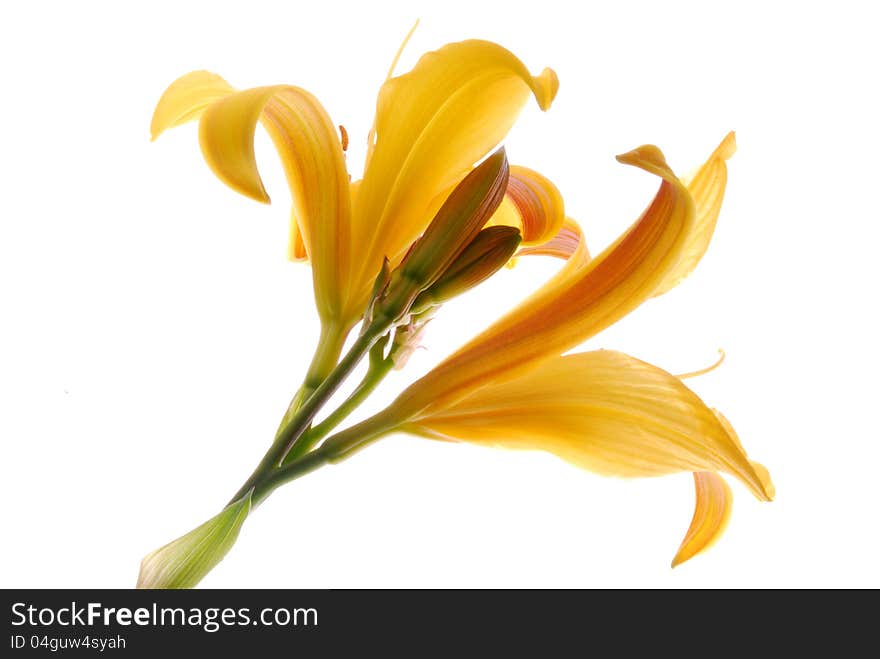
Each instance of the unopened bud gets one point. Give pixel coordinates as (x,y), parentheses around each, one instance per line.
(183,562)
(483,257)
(454,227)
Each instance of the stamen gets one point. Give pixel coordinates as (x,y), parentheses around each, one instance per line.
(343,136)
(400,50)
(703,371)
(371,136)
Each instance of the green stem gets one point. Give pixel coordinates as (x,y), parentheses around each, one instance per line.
(326,356)
(291,432)
(339,447)
(294,470)
(379,368)
(347,442)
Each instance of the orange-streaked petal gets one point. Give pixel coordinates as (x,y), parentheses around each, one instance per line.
(186,98)
(584,298)
(603,411)
(563,245)
(533,205)
(707,188)
(314,163)
(432,124)
(714,501)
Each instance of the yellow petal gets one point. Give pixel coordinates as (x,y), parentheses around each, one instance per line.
(296,248)
(432,124)
(314,163)
(186,98)
(563,245)
(707,188)
(603,411)
(371,136)
(711,514)
(759,469)
(584,298)
(533,205)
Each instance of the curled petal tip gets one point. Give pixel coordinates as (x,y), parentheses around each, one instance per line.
(649,158)
(727,147)
(546,86)
(706,187)
(647,153)
(567,241)
(256,192)
(714,502)
(533,204)
(185,99)
(767,486)
(753,474)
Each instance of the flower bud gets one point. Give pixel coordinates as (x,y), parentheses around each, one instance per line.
(454,227)
(482,258)
(183,562)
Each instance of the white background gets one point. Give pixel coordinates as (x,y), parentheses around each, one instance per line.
(152,331)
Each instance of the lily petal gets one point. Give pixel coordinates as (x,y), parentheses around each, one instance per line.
(711,514)
(296,247)
(314,163)
(432,124)
(563,245)
(757,467)
(533,205)
(581,300)
(707,188)
(603,411)
(186,98)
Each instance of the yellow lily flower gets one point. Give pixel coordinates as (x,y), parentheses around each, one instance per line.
(432,124)
(511,386)
(601,410)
